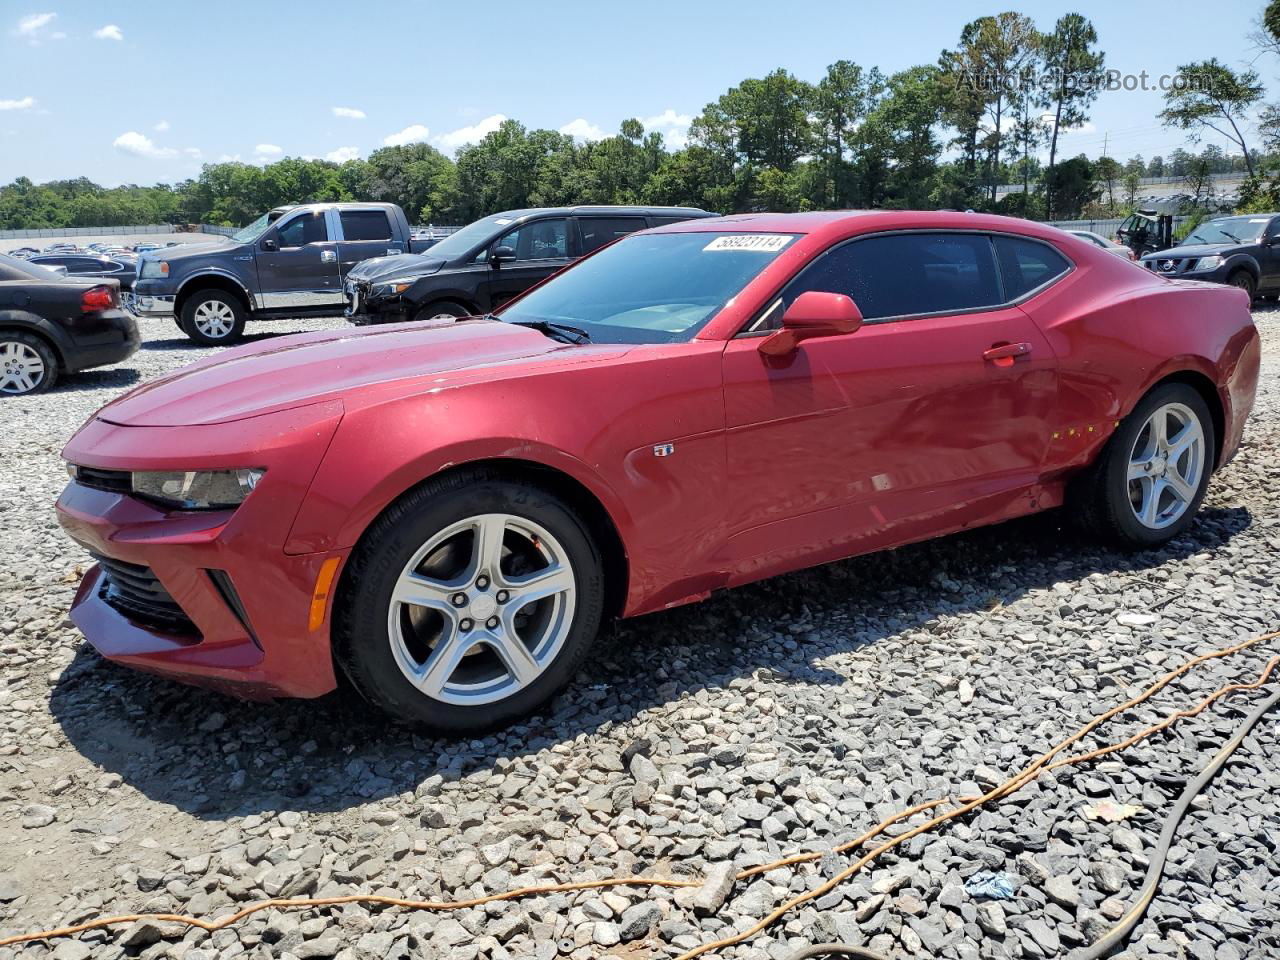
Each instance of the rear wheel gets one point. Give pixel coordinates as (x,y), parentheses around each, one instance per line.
(1244,280)
(27,364)
(213,318)
(441,310)
(469,603)
(1151,477)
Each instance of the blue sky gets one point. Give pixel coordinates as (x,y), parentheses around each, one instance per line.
(147,91)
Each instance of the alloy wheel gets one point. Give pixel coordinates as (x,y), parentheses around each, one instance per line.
(214,319)
(1166,465)
(21,368)
(481,609)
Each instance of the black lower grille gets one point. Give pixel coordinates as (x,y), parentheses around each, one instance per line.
(114,481)
(136,592)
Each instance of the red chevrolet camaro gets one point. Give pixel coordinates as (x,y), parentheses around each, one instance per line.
(447,513)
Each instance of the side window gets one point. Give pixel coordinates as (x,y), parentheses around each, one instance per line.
(1273,229)
(304,229)
(365,225)
(539,240)
(899,275)
(597,231)
(84,265)
(663,221)
(1027,264)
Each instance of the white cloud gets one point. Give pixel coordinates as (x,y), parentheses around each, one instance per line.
(673,126)
(162,126)
(26,103)
(581,129)
(31,28)
(414,133)
(229,158)
(109,32)
(141,146)
(342,154)
(1085,127)
(193,152)
(57,35)
(268,150)
(477,131)
(34,23)
(348,113)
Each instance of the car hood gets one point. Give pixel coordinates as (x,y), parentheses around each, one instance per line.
(401,265)
(293,371)
(188,251)
(1198,250)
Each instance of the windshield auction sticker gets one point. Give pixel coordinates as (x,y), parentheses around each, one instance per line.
(754,242)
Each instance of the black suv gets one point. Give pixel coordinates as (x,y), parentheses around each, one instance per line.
(492,260)
(1243,251)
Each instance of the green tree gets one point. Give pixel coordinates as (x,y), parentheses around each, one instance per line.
(1072,61)
(1072,185)
(1216,98)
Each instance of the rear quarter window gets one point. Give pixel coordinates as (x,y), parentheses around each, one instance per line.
(1026,265)
(365,225)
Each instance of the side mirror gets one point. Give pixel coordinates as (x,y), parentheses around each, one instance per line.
(502,255)
(813,314)
(269,245)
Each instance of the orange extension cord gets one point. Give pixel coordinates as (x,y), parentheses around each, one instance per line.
(964,806)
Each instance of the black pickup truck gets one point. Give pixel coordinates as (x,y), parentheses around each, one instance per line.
(492,260)
(290,262)
(1243,251)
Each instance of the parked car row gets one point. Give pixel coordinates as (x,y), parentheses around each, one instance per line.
(362,258)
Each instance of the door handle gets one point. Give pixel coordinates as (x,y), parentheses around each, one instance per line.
(1003,354)
(328,256)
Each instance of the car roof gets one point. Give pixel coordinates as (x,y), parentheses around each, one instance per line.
(605,209)
(837,223)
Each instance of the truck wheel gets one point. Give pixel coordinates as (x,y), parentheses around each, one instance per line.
(469,603)
(213,318)
(441,310)
(1244,280)
(27,364)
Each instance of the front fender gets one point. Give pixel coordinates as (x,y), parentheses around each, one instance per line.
(191,283)
(337,511)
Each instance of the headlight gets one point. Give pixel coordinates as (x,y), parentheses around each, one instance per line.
(197,489)
(1208,263)
(154,268)
(387,288)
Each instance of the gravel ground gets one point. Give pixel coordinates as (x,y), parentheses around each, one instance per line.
(786,716)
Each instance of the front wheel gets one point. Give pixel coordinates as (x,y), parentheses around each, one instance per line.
(1151,477)
(213,318)
(441,310)
(469,603)
(1244,281)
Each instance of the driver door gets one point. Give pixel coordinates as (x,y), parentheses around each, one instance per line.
(541,248)
(906,429)
(298,264)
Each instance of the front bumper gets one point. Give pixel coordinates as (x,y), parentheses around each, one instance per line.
(149,305)
(206,597)
(359,309)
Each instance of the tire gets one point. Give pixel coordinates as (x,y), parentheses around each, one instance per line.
(440,309)
(1114,506)
(426,547)
(27,364)
(213,318)
(1244,280)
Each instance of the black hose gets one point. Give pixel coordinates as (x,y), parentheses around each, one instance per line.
(1120,933)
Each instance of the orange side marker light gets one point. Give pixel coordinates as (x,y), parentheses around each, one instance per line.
(320,597)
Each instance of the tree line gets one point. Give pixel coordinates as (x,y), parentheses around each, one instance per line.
(939,135)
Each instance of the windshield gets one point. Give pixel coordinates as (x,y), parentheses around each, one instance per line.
(651,288)
(469,236)
(252,231)
(1229,230)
